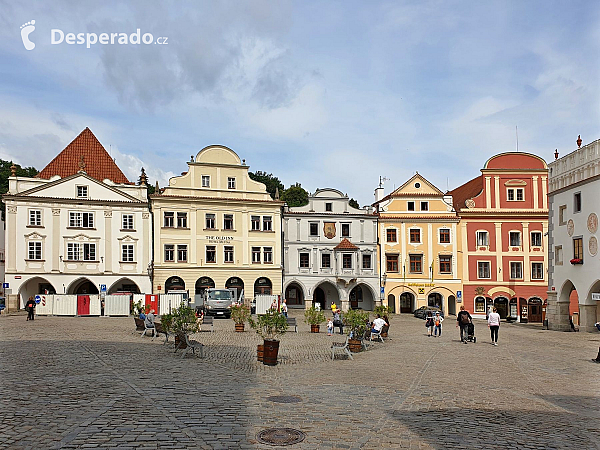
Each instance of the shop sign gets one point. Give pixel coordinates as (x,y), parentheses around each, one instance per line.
(422,284)
(219,239)
(595,296)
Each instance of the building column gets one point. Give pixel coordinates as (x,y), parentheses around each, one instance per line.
(545,192)
(56,250)
(497,192)
(535,193)
(587,317)
(11,239)
(488,193)
(107,242)
(557,313)
(526,247)
(499,273)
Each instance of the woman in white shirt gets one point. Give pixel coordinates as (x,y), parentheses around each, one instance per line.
(494,325)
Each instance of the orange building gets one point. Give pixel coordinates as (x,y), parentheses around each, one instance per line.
(503,228)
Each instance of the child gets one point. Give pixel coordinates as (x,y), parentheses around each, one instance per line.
(329,327)
(437,322)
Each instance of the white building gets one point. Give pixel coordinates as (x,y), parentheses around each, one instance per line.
(330,253)
(78,225)
(574,205)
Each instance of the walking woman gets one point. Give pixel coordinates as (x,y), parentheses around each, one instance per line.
(494,325)
(429,324)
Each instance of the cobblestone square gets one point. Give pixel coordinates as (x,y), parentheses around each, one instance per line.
(91,383)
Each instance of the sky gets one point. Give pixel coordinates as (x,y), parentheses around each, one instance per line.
(327,94)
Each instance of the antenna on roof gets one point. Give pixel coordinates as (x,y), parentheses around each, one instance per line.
(382,180)
(517,132)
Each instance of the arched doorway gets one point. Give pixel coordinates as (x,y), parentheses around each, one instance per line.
(480,307)
(202,284)
(294,295)
(326,294)
(83,286)
(435,299)
(407,302)
(391,303)
(237,285)
(33,287)
(361,297)
(501,304)
(263,286)
(124,285)
(452,305)
(174,284)
(535,310)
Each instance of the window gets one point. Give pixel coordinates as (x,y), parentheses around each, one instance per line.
(228,254)
(482,239)
(304,260)
(391,235)
(256,255)
(267,223)
(416,263)
(410,206)
(445,264)
(82,191)
(345,230)
(169,253)
(230,183)
(210,222)
(35,217)
(516,270)
(268,255)
(181,220)
(35,250)
(81,252)
(228,221)
(314,229)
(511,195)
(520,195)
(536,239)
(81,220)
(479,305)
(562,211)
(181,253)
(515,194)
(514,238)
(205,181)
(127,253)
(577,202)
(73,251)
(347,261)
(127,222)
(366,259)
(444,236)
(578,248)
(169,220)
(211,254)
(537,271)
(325,260)
(255,223)
(558,255)
(424,206)
(391,263)
(483,269)
(415,235)
(328,206)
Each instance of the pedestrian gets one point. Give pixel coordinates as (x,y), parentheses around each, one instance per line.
(338,321)
(150,319)
(329,327)
(597,325)
(437,323)
(429,324)
(102,307)
(378,324)
(494,325)
(30,307)
(463,320)
(274,305)
(284,309)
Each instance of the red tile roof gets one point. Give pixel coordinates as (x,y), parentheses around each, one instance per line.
(98,163)
(468,190)
(345,245)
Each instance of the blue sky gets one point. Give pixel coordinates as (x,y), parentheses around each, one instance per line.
(328,94)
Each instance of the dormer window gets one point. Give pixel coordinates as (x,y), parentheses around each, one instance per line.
(205,181)
(515,194)
(230,183)
(82,192)
(329,207)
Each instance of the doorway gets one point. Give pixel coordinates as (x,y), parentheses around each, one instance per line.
(356,295)
(236,284)
(406,303)
(435,299)
(535,310)
(451,305)
(501,305)
(391,304)
(319,298)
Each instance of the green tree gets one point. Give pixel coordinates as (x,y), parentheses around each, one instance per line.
(295,195)
(269,180)
(354,203)
(5,173)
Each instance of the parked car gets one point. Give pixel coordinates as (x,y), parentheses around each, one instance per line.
(217,302)
(421,313)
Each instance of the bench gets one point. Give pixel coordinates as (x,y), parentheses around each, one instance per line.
(291,322)
(341,347)
(208,320)
(160,329)
(376,335)
(190,344)
(139,325)
(151,329)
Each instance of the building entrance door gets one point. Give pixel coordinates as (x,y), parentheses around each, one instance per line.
(535,310)
(392,304)
(83,305)
(319,297)
(406,303)
(501,304)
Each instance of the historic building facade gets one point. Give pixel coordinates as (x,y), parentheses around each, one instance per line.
(503,228)
(78,225)
(574,202)
(418,243)
(330,253)
(216,227)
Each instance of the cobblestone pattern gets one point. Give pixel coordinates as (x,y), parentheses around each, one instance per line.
(90,383)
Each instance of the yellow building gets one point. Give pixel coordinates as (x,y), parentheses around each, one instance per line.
(418,236)
(216,227)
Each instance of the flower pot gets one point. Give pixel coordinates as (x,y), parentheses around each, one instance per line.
(314,328)
(180,341)
(354,345)
(271,349)
(260,352)
(239,327)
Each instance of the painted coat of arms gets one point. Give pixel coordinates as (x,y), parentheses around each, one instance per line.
(329,230)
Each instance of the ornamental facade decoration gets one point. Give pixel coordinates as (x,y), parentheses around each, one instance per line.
(329,230)
(570,227)
(593,246)
(592,223)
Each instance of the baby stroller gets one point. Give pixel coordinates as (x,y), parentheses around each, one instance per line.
(471,333)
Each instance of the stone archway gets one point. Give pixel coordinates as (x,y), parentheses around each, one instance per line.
(263,286)
(174,284)
(202,284)
(407,303)
(501,305)
(568,294)
(82,286)
(325,294)
(124,285)
(391,303)
(294,294)
(436,299)
(33,287)
(236,284)
(451,305)
(361,297)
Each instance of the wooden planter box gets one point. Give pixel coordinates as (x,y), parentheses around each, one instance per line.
(314,328)
(354,345)
(260,352)
(239,327)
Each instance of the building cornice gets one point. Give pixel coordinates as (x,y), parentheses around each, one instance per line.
(72,201)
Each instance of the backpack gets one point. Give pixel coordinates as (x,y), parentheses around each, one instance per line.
(464,319)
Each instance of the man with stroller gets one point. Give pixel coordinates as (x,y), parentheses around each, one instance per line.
(463,320)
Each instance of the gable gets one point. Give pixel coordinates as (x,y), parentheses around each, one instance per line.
(417,186)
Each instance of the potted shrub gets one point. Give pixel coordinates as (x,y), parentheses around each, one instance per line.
(269,326)
(183,323)
(314,317)
(357,322)
(240,314)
